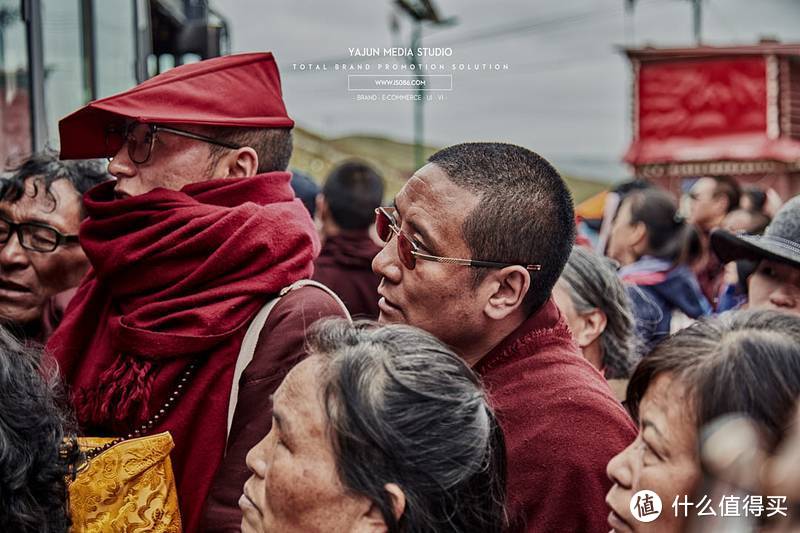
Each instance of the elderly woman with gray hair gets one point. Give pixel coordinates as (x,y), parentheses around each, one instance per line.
(596,307)
(380,429)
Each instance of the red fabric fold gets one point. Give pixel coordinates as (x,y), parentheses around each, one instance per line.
(176,277)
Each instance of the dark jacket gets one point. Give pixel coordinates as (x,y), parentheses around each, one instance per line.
(562,425)
(345,265)
(281,345)
(657,290)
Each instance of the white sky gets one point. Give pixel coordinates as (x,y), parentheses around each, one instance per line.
(565,94)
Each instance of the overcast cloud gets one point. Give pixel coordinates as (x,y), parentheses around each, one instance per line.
(565,93)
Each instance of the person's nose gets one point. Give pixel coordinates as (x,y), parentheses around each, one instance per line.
(12,255)
(785,297)
(619,469)
(121,165)
(387,263)
(256,457)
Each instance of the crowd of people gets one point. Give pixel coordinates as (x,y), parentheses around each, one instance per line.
(455,358)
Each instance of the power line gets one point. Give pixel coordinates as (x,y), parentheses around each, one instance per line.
(525,26)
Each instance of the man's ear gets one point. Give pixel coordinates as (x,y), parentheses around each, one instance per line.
(594,324)
(239,163)
(507,288)
(372,521)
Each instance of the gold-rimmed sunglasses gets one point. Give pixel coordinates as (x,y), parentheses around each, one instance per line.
(409,251)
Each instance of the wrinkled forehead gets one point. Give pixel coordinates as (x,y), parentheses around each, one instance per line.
(430,194)
(301,391)
(60,203)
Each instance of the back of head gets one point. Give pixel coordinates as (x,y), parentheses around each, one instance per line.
(669,235)
(272,145)
(37,451)
(525,213)
(756,197)
(306,190)
(742,220)
(82,174)
(353,190)
(728,187)
(404,409)
(740,362)
(593,284)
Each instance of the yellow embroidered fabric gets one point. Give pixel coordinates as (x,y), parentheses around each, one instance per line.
(127,488)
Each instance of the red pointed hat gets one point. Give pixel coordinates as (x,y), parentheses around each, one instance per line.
(238,90)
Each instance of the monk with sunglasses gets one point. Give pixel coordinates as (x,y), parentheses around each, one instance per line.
(475,241)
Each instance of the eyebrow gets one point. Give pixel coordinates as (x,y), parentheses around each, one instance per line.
(419,230)
(649,424)
(280,419)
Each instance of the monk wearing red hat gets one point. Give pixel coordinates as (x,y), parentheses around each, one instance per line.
(199,230)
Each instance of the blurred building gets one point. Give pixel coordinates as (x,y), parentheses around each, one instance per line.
(56,55)
(717,110)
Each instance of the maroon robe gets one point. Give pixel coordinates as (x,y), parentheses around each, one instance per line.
(562,425)
(176,278)
(345,265)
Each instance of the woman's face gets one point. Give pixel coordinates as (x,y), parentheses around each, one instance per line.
(663,459)
(775,285)
(295,485)
(624,236)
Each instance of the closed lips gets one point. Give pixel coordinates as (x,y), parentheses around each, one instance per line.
(11,286)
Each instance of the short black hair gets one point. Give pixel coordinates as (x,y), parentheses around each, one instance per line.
(83,174)
(353,190)
(524,214)
(728,187)
(273,145)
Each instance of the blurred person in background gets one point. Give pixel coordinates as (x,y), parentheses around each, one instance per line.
(346,210)
(611,206)
(775,283)
(651,241)
(712,198)
(379,429)
(742,220)
(733,290)
(745,362)
(475,243)
(38,448)
(753,199)
(597,309)
(41,261)
(306,190)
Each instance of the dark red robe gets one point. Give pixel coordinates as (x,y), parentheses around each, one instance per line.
(345,265)
(562,425)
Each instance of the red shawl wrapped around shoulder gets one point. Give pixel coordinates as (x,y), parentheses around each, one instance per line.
(176,278)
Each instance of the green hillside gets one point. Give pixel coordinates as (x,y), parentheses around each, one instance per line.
(315,156)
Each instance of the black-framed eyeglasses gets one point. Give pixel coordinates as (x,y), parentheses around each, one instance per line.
(409,252)
(140,138)
(34,236)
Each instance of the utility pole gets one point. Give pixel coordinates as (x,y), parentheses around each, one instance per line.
(697,17)
(419,11)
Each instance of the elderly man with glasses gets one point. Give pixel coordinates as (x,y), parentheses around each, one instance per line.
(41,261)
(475,242)
(199,230)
